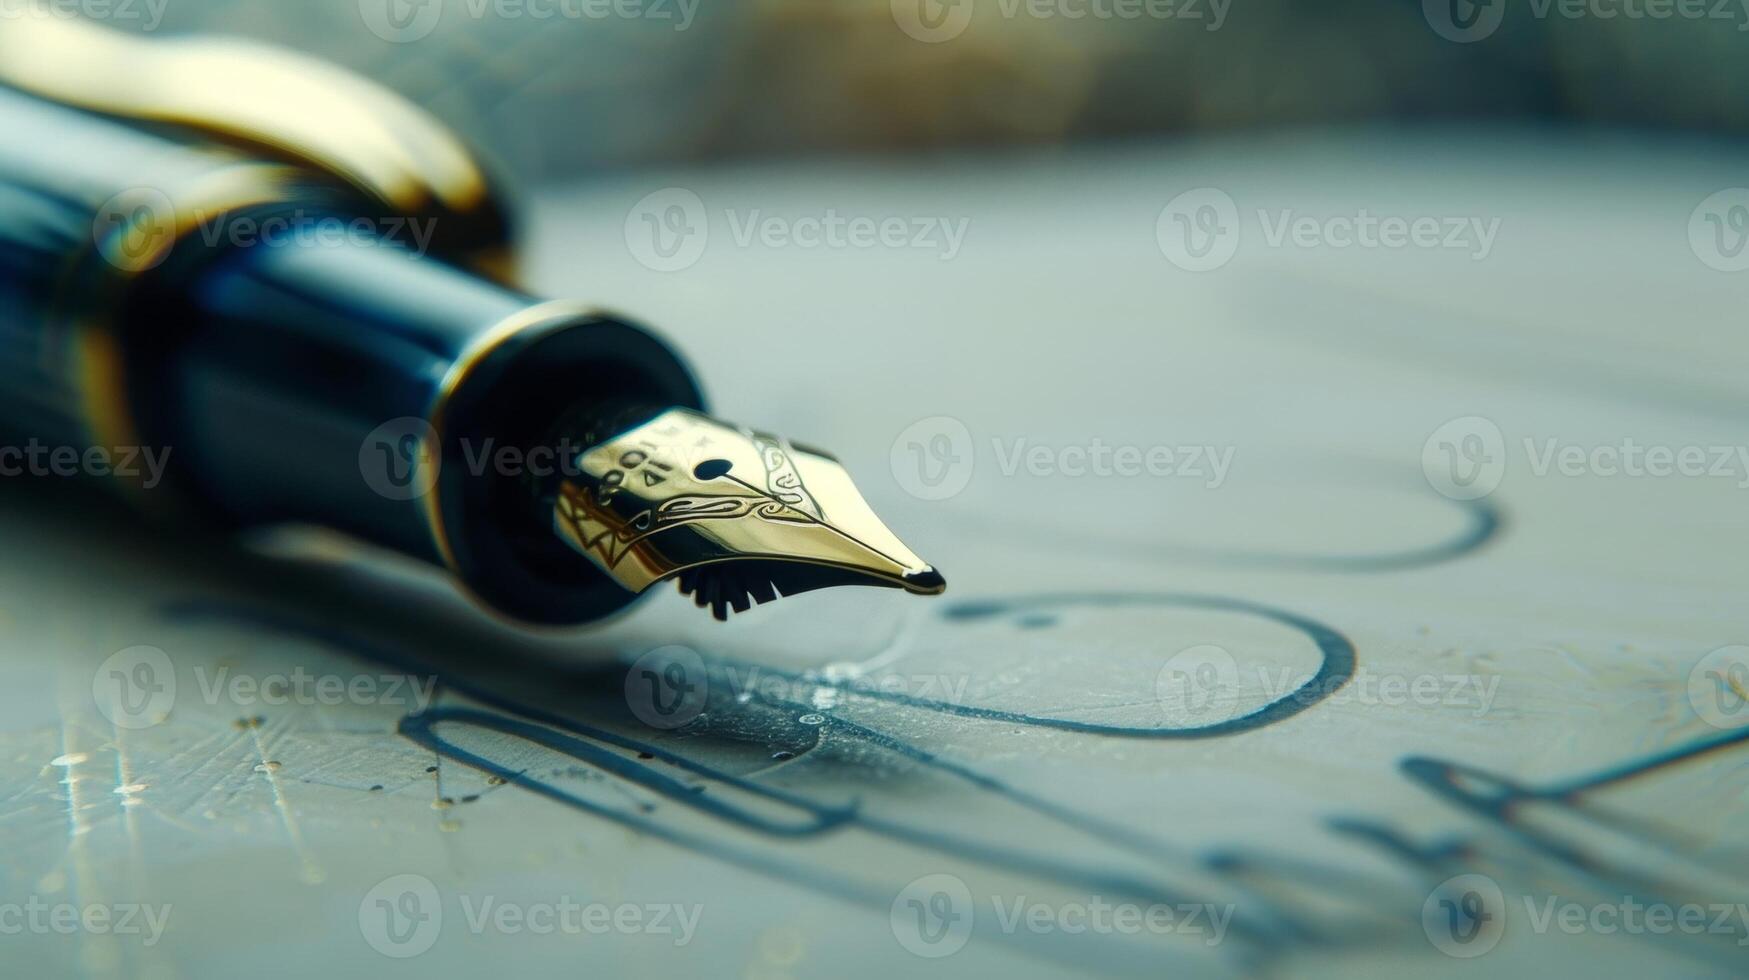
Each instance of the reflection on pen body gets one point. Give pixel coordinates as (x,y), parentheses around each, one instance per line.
(212,270)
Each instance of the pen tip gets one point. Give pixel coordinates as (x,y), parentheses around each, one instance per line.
(738,517)
(925,581)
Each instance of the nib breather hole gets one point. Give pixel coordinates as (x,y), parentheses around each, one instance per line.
(710,469)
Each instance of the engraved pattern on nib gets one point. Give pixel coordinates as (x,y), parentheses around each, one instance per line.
(737,517)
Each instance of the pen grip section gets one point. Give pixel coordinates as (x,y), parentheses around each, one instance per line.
(361,386)
(301,378)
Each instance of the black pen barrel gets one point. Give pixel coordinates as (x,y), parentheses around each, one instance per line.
(297,356)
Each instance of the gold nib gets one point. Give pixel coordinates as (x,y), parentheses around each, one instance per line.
(740,516)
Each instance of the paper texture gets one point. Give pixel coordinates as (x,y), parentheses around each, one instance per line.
(1251,707)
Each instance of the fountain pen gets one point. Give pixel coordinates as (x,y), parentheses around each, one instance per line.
(152,294)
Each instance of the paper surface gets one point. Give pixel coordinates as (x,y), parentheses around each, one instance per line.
(1256,713)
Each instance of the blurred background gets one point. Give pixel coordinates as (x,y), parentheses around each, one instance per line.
(553,87)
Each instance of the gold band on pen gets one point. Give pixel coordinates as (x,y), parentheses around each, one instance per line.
(94,324)
(527,324)
(272,102)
